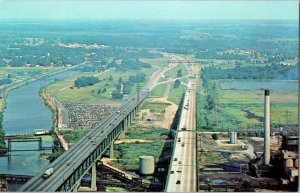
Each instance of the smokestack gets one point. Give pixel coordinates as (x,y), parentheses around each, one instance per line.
(267,127)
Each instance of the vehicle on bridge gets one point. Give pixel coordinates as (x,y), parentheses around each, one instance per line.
(48,173)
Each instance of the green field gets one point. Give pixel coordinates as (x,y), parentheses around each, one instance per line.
(151,133)
(159,90)
(176,94)
(172,73)
(240,109)
(65,90)
(155,105)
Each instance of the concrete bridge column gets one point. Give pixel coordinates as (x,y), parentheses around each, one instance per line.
(93,187)
(131,117)
(93,182)
(128,121)
(124,126)
(111,151)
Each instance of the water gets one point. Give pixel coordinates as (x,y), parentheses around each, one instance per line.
(252,84)
(25,111)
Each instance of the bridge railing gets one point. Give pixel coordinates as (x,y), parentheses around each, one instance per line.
(174,143)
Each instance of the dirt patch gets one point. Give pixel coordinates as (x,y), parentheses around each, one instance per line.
(170,112)
(133,141)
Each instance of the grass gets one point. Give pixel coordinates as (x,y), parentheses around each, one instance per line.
(233,101)
(153,133)
(230,114)
(73,136)
(159,90)
(63,91)
(172,73)
(176,94)
(128,154)
(211,158)
(159,106)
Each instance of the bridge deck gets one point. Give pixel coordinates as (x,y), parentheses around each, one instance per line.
(182,172)
(75,162)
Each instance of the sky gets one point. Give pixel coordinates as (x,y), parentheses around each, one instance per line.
(143,9)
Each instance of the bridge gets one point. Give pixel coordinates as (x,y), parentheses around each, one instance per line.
(182,174)
(24,138)
(70,167)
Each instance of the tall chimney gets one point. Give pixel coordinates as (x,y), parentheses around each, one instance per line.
(267,127)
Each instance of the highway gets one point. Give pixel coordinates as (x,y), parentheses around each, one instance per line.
(65,165)
(72,159)
(183,171)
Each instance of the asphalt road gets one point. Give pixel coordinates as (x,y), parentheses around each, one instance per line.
(182,177)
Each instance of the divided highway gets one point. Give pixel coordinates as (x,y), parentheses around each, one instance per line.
(183,165)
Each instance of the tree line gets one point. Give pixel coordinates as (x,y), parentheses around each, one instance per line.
(268,72)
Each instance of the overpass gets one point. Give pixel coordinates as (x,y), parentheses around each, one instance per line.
(182,174)
(70,167)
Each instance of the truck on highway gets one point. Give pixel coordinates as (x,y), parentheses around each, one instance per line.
(48,173)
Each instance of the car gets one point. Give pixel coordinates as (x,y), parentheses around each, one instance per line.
(69,163)
(175,159)
(172,172)
(179,162)
(182,145)
(183,129)
(178,182)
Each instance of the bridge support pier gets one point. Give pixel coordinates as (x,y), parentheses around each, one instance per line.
(93,187)
(111,151)
(93,182)
(124,125)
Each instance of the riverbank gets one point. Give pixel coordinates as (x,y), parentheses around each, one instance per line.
(56,116)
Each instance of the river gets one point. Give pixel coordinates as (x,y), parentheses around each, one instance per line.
(25,111)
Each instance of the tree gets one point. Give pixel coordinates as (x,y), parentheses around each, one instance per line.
(85,81)
(110,78)
(179,73)
(117,94)
(177,83)
(120,80)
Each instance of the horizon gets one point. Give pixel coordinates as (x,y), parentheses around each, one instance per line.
(148,10)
